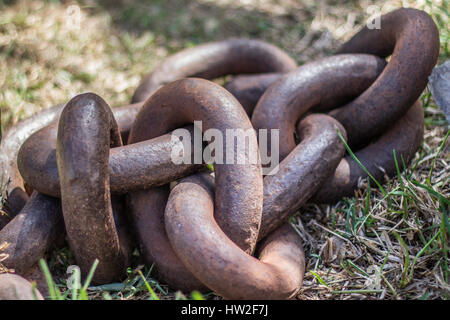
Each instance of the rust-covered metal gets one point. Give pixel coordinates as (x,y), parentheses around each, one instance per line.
(147,206)
(9,148)
(147,209)
(297,179)
(303,171)
(86,131)
(323,85)
(247,89)
(35,223)
(411,38)
(320,84)
(15,137)
(14,287)
(405,137)
(203,234)
(32,232)
(239,187)
(217,261)
(216,59)
(131,167)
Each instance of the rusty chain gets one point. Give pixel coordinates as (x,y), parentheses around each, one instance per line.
(101,175)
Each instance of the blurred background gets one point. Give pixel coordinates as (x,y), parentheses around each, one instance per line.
(53,50)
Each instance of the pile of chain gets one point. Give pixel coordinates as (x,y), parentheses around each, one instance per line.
(71,174)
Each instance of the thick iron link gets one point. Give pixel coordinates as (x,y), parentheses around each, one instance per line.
(86,131)
(216,59)
(203,234)
(240,211)
(412,38)
(297,179)
(226,268)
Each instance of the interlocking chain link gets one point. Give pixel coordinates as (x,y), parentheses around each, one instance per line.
(70,174)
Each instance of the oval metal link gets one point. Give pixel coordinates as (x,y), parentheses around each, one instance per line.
(86,130)
(204,233)
(216,59)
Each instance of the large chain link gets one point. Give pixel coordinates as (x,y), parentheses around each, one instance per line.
(69,173)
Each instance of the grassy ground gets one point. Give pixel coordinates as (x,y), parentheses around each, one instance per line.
(390,244)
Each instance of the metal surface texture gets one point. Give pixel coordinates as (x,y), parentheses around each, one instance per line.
(298,178)
(100,176)
(18,134)
(35,223)
(216,59)
(14,287)
(147,209)
(32,232)
(202,100)
(226,268)
(322,84)
(411,37)
(131,167)
(238,186)
(303,171)
(247,89)
(86,131)
(9,148)
(405,137)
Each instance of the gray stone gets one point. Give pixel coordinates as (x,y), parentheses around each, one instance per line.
(14,287)
(440,87)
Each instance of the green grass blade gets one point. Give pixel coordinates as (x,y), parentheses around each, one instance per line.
(400,179)
(321,281)
(149,288)
(196,295)
(54,292)
(435,157)
(357,268)
(361,291)
(421,252)
(359,163)
(83,291)
(90,275)
(404,279)
(76,284)
(431,191)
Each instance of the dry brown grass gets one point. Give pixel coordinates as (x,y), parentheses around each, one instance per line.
(368,247)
